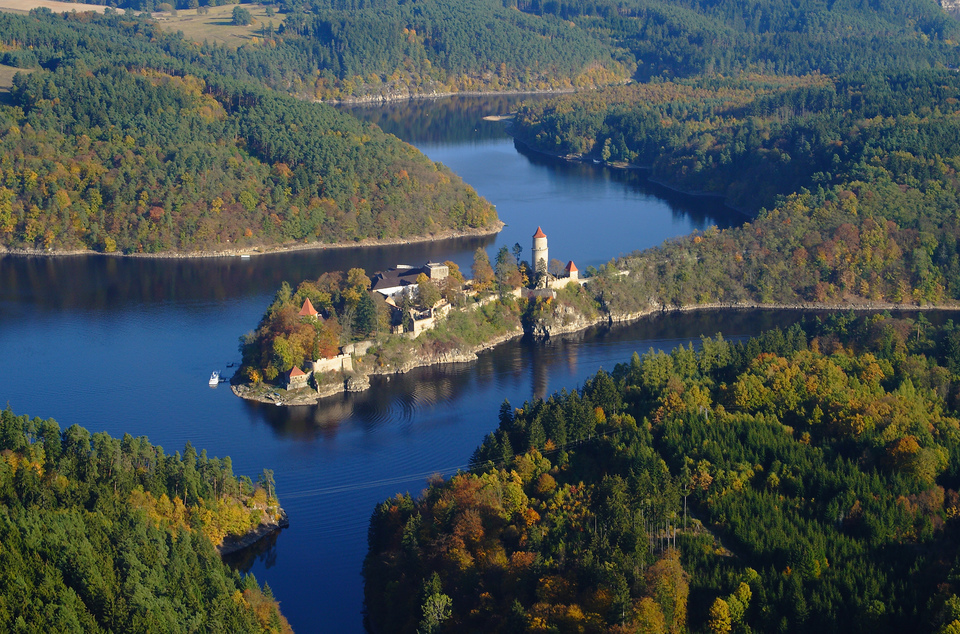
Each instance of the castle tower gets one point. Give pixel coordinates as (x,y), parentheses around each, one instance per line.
(540,254)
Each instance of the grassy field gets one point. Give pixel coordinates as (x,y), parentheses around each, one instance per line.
(6,76)
(24,6)
(215,27)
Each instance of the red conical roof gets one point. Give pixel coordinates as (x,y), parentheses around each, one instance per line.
(308,310)
(296,371)
(571,267)
(539,233)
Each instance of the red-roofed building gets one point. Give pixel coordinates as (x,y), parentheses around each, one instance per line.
(297,378)
(539,233)
(308,310)
(573,273)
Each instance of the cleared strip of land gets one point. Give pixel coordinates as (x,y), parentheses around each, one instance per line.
(24,6)
(217,26)
(6,76)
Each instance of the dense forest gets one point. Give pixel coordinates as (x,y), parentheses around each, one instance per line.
(142,157)
(377,48)
(854,178)
(797,481)
(107,534)
(128,138)
(685,38)
(371,49)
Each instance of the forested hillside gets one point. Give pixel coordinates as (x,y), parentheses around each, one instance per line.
(854,177)
(671,38)
(377,49)
(143,152)
(106,534)
(383,48)
(807,479)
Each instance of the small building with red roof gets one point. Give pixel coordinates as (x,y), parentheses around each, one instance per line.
(308,310)
(297,378)
(573,273)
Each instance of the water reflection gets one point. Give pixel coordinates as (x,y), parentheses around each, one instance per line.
(262,553)
(106,283)
(457,119)
(402,400)
(699,211)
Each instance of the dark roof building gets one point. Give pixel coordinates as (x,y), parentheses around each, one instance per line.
(392,280)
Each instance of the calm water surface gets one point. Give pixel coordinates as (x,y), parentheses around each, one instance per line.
(126,345)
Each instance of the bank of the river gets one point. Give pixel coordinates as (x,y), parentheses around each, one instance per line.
(269,524)
(507,120)
(397,97)
(359,380)
(273,249)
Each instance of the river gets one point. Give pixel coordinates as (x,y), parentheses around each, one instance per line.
(127,345)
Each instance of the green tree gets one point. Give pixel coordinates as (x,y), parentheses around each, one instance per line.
(506,271)
(427,292)
(365,320)
(437,607)
(241,17)
(267,481)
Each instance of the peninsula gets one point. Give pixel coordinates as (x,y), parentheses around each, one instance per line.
(330,335)
(108,533)
(166,157)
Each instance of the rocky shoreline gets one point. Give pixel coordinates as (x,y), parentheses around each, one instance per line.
(358,382)
(269,249)
(267,526)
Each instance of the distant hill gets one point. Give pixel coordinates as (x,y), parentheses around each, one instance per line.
(120,143)
(380,49)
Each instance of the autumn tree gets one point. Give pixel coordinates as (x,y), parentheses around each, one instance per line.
(719,619)
(483,274)
(427,294)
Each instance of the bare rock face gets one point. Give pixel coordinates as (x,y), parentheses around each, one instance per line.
(563,319)
(267,526)
(951,6)
(357,383)
(455,356)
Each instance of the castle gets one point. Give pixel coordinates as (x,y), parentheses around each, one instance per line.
(541,264)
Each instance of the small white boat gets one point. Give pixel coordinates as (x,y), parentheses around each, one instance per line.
(215,378)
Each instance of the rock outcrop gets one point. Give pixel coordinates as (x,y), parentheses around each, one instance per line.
(267,526)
